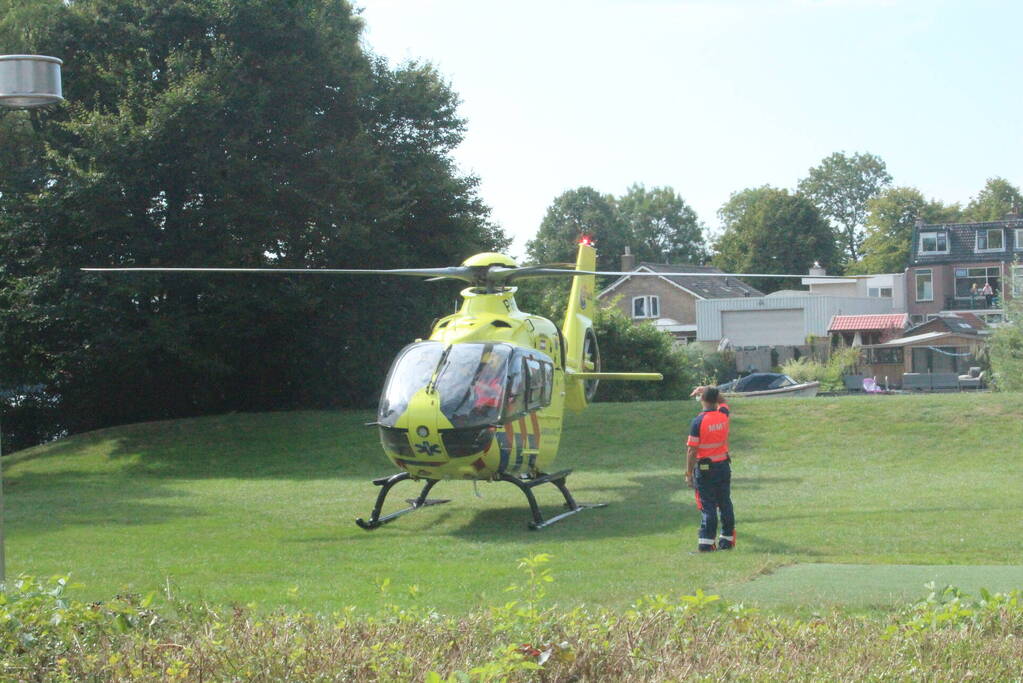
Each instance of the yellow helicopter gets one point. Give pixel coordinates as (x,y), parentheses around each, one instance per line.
(483,398)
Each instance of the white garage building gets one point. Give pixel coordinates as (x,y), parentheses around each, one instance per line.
(785,318)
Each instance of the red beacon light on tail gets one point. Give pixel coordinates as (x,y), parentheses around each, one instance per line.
(586,241)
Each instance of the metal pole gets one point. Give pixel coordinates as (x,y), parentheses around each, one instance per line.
(26,82)
(3,559)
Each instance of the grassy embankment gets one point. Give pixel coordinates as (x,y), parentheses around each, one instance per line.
(258,509)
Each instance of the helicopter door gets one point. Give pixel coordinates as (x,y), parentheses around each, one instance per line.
(471,382)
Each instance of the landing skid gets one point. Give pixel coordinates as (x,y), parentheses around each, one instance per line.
(525,485)
(386,483)
(558,479)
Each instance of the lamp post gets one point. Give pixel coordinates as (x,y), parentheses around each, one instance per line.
(26,82)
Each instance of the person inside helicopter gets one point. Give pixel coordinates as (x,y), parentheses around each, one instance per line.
(488,388)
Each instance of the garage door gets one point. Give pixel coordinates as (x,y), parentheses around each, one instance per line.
(780,327)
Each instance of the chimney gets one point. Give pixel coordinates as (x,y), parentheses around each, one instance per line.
(628,260)
(816,269)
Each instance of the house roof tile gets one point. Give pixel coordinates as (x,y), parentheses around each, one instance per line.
(962,242)
(699,283)
(884,321)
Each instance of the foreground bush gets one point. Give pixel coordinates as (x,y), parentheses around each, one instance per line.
(807,369)
(45,636)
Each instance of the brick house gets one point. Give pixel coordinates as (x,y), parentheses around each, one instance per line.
(669,302)
(950,263)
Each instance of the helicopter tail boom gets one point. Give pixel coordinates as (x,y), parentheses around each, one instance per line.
(632,376)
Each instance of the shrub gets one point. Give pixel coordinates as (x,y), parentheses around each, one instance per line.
(829,374)
(949,635)
(804,369)
(627,347)
(1006,350)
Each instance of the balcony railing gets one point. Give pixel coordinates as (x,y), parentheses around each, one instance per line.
(979,303)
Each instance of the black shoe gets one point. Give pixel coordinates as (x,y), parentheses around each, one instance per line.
(706,547)
(726,543)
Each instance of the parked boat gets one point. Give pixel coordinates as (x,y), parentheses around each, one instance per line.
(769,385)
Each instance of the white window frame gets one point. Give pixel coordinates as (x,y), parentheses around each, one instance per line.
(1016,276)
(987,238)
(651,306)
(916,282)
(1018,239)
(642,301)
(935,234)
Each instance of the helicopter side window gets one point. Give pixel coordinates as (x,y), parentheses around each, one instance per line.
(548,382)
(411,371)
(536,384)
(539,388)
(515,397)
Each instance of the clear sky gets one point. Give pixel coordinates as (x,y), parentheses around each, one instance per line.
(710,97)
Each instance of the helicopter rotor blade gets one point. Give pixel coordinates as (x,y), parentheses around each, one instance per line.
(467,273)
(471,274)
(542,271)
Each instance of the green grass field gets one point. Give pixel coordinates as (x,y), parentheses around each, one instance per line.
(260,508)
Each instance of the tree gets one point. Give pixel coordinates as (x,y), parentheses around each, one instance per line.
(573,214)
(660,226)
(840,187)
(212,132)
(890,220)
(998,199)
(769,230)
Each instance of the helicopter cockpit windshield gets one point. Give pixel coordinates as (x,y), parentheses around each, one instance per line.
(469,378)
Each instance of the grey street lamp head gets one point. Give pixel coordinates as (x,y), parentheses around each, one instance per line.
(29,81)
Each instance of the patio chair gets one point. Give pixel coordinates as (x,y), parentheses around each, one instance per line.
(974,379)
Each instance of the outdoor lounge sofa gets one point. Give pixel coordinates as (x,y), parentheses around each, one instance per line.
(853,382)
(974,379)
(930,381)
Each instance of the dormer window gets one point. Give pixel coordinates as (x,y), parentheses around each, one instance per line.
(934,243)
(648,306)
(990,239)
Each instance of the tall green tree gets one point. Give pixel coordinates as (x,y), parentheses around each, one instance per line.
(840,187)
(993,203)
(889,228)
(769,230)
(660,226)
(222,133)
(573,214)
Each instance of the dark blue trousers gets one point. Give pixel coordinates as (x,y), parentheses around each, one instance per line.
(713,494)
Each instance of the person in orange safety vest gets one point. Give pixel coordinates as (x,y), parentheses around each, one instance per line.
(708,470)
